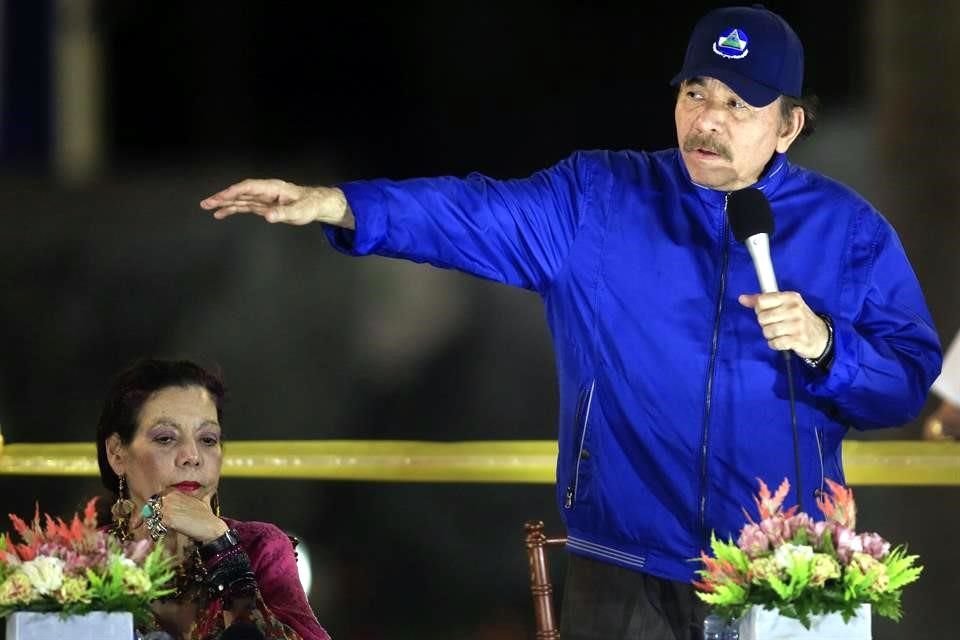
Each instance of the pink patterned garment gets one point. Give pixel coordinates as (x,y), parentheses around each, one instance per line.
(283,611)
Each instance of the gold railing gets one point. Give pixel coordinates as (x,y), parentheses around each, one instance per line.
(889,462)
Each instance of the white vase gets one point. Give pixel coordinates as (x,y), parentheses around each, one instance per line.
(98,625)
(767,624)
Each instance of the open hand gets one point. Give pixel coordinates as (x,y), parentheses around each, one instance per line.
(281,201)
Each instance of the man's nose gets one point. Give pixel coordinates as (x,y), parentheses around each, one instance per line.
(712,115)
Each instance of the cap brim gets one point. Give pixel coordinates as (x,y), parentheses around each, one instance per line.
(755,94)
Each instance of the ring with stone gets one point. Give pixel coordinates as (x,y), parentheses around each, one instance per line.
(152,513)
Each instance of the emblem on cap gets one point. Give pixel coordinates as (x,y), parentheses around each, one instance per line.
(733,45)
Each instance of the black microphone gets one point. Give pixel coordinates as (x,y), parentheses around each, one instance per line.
(751,220)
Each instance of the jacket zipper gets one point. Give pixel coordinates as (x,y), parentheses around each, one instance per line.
(711,366)
(572,487)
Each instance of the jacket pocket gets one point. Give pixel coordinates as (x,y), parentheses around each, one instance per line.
(582,454)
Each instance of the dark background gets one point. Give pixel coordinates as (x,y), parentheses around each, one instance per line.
(100,269)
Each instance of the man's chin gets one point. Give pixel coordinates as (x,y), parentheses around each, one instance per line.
(715,179)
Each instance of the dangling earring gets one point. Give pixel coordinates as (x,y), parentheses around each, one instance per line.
(215,504)
(121,511)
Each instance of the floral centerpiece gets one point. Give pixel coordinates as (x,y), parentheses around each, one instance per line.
(77,568)
(803,568)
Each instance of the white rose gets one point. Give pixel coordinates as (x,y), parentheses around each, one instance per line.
(44,573)
(787,554)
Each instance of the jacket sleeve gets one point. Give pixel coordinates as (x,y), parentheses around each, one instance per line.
(888,354)
(516,232)
(283,604)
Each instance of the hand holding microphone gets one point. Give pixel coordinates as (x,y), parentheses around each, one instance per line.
(787,322)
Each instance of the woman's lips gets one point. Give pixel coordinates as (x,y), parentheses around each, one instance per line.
(187,486)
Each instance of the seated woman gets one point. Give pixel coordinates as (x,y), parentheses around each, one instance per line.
(159,450)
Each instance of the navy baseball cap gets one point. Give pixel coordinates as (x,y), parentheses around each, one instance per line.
(750,49)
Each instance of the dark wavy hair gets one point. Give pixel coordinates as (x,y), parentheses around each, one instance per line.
(130,390)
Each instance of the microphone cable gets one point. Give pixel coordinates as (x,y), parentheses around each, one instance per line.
(788,362)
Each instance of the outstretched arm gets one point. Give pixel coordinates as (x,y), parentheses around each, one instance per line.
(517,232)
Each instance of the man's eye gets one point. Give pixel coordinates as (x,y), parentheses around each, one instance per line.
(738,104)
(210,441)
(163,439)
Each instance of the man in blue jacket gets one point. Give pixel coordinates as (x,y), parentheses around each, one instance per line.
(673,397)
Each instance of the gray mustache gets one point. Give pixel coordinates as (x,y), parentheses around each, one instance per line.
(694,142)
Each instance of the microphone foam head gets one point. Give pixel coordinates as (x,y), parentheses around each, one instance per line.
(749,213)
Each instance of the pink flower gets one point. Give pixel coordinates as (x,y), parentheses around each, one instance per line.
(874,545)
(798,522)
(820,529)
(753,541)
(774,528)
(848,543)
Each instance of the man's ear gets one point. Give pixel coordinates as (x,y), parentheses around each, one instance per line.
(116,454)
(790,128)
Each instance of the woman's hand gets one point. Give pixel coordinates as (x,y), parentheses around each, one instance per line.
(186,515)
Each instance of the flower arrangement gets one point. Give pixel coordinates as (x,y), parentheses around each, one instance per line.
(799,567)
(78,568)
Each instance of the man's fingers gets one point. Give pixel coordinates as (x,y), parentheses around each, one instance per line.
(767,301)
(764,301)
(784,343)
(246,207)
(780,329)
(246,190)
(262,191)
(270,212)
(777,314)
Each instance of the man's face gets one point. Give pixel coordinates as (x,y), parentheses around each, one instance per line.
(725,142)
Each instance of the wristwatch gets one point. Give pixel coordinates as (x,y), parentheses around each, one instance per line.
(218,545)
(825,359)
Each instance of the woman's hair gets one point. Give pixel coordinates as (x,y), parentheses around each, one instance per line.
(131,389)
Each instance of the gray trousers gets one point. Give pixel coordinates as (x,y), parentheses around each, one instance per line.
(605,602)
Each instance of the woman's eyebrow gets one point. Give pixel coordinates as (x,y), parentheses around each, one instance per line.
(165,421)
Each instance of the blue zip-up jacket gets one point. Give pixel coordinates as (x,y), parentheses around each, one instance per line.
(671,402)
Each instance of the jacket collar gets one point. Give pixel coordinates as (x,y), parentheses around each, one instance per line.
(768,183)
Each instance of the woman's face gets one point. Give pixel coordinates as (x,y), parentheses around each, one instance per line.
(176,446)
